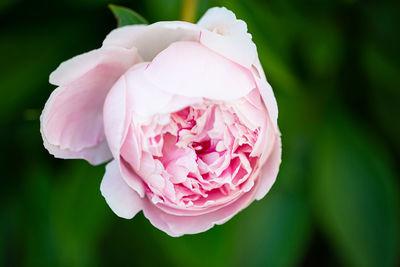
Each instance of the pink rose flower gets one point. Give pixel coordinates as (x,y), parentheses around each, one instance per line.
(184,113)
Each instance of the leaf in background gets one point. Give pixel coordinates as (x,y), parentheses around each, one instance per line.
(11,223)
(79,213)
(382,70)
(159,10)
(22,67)
(24,79)
(126,16)
(355,195)
(322,45)
(5,4)
(216,245)
(40,241)
(266,29)
(273,232)
(134,242)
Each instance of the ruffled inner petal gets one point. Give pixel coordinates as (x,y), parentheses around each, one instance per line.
(199,157)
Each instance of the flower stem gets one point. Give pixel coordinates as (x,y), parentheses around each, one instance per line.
(189,10)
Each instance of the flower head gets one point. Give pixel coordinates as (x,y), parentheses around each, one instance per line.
(184,113)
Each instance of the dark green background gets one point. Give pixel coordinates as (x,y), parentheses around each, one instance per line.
(334,67)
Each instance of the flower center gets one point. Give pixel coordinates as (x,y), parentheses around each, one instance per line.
(201,147)
(202,154)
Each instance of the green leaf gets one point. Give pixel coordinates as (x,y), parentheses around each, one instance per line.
(126,16)
(355,194)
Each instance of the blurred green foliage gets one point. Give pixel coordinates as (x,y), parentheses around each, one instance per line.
(335,70)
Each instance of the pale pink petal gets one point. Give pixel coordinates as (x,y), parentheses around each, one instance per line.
(265,141)
(146,99)
(71,121)
(223,21)
(249,114)
(255,99)
(122,199)
(267,93)
(124,36)
(270,169)
(131,178)
(134,88)
(94,155)
(74,68)
(130,149)
(227,36)
(152,39)
(177,225)
(179,102)
(116,118)
(116,127)
(190,69)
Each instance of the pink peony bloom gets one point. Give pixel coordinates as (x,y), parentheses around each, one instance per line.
(182,111)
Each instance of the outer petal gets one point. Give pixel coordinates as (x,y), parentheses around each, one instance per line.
(122,199)
(176,225)
(146,99)
(76,67)
(71,122)
(116,126)
(190,69)
(227,36)
(123,36)
(152,39)
(270,169)
(116,116)
(253,116)
(266,92)
(265,141)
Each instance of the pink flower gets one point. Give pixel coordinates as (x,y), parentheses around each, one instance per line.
(184,113)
